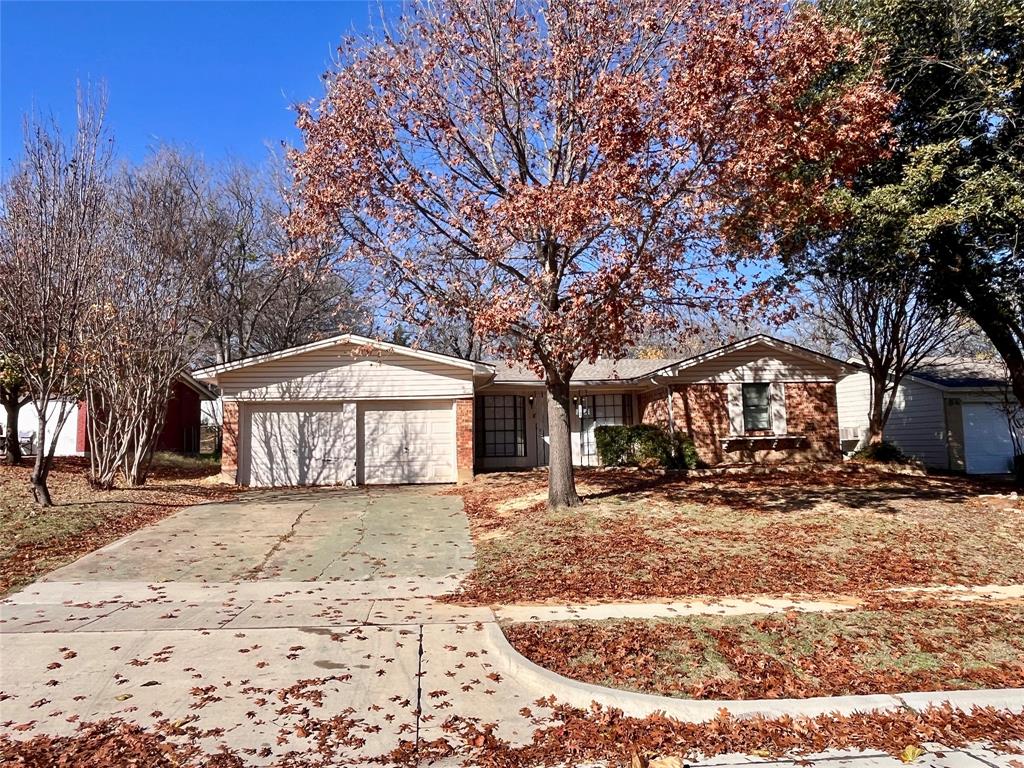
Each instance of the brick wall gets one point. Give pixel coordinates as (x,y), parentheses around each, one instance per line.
(653,407)
(229,443)
(811,411)
(464,435)
(82,428)
(702,411)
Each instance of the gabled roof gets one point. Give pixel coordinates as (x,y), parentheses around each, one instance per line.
(210,373)
(769,341)
(201,389)
(631,370)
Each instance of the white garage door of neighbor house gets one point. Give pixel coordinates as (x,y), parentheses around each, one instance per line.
(293,445)
(988,448)
(409,442)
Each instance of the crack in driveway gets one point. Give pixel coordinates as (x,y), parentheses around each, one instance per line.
(360,521)
(284,539)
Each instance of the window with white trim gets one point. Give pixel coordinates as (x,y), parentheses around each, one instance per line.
(503,426)
(757,407)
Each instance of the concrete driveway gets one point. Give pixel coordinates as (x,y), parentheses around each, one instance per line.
(303,535)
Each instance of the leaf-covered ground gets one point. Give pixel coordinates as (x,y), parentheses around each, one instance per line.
(891,649)
(570,737)
(34,541)
(641,536)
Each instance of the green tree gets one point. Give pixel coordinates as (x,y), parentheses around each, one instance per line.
(948,205)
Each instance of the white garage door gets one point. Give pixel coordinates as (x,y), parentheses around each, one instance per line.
(988,448)
(294,445)
(411,442)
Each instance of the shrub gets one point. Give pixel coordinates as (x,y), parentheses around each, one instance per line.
(883,452)
(644,445)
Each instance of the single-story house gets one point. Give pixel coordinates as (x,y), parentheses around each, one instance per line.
(950,414)
(180,432)
(353,410)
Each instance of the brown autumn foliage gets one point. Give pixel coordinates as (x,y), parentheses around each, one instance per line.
(579,736)
(891,650)
(820,530)
(573,736)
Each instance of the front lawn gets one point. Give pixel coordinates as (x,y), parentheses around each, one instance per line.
(644,537)
(34,541)
(894,649)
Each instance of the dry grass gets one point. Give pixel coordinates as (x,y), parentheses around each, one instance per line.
(34,541)
(890,650)
(655,537)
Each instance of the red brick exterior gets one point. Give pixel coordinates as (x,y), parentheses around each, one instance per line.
(702,412)
(180,432)
(464,436)
(82,428)
(229,442)
(811,411)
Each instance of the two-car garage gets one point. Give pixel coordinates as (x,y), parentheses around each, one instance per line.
(348,443)
(346,411)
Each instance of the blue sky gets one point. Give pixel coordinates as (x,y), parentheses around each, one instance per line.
(217,77)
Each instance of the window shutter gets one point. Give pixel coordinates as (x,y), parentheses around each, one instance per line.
(735,395)
(778,401)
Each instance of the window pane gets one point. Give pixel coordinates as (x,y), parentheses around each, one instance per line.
(756,407)
(504,426)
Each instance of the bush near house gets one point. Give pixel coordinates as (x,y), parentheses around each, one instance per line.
(644,445)
(883,453)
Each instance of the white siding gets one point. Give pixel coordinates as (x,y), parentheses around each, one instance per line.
(28,421)
(757,363)
(338,373)
(917,423)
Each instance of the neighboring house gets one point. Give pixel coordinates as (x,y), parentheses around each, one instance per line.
(180,432)
(949,414)
(349,410)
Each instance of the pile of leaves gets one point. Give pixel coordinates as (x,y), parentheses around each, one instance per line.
(109,743)
(644,536)
(34,541)
(891,649)
(578,736)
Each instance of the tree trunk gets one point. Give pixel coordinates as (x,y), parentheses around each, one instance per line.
(10,399)
(876,410)
(41,469)
(561,483)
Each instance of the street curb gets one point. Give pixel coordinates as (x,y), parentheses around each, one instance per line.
(517,667)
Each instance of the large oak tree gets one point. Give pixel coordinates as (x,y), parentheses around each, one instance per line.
(594,167)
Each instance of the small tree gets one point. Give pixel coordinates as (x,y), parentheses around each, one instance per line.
(591,165)
(52,222)
(888,325)
(139,333)
(12,398)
